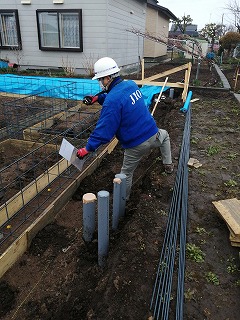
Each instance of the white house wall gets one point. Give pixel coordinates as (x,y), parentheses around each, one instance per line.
(125,15)
(104,23)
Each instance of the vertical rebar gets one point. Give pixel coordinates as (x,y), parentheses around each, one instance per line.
(103,227)
(123,193)
(116,202)
(89,207)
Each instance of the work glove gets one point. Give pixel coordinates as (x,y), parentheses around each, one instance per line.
(88,100)
(81,153)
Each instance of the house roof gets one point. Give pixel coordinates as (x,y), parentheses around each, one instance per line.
(166,11)
(191,30)
(190,27)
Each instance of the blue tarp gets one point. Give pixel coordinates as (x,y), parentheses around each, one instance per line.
(3,64)
(56,87)
(149,91)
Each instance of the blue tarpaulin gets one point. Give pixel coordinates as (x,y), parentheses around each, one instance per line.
(28,85)
(3,64)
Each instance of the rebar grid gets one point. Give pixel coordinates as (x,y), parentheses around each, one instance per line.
(26,111)
(74,124)
(31,182)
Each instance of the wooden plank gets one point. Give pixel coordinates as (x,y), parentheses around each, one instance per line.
(235,243)
(13,253)
(17,249)
(13,95)
(229,209)
(186,81)
(234,236)
(160,84)
(166,73)
(14,204)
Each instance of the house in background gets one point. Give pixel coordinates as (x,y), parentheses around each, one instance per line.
(157,25)
(189,47)
(68,33)
(191,30)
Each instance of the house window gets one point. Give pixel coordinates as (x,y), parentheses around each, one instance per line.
(9,30)
(60,30)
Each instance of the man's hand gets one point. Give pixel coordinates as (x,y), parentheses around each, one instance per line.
(81,153)
(88,100)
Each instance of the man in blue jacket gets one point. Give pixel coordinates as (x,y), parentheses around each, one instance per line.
(125,115)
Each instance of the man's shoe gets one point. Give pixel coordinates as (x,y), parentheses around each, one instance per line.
(168,168)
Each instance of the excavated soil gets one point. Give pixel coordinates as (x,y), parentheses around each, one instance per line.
(59,277)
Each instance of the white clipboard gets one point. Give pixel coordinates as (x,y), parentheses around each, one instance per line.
(69,152)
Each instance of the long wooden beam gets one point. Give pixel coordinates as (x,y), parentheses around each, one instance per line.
(160,84)
(168,72)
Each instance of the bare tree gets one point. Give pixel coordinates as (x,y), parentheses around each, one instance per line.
(182,23)
(234,8)
(211,32)
(182,43)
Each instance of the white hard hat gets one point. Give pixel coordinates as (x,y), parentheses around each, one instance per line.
(105,67)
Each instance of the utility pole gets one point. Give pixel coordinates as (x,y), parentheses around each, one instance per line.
(222,25)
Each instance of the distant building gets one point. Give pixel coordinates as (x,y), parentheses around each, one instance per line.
(191,30)
(157,24)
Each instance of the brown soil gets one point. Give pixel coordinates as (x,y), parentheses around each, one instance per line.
(59,277)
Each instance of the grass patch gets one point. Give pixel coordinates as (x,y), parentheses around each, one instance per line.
(230,183)
(212,150)
(212,278)
(194,253)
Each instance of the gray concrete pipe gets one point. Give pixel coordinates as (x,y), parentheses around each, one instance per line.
(123,193)
(103,227)
(89,208)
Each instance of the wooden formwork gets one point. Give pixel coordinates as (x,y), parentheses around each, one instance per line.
(15,203)
(20,245)
(150,80)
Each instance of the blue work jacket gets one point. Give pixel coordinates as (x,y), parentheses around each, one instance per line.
(124,115)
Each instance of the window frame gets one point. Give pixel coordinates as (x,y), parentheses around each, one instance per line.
(57,11)
(19,45)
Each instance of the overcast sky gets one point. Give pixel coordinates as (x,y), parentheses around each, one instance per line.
(201,11)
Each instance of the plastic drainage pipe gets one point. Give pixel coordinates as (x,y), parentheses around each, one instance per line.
(123,193)
(103,227)
(187,102)
(89,207)
(171,93)
(116,202)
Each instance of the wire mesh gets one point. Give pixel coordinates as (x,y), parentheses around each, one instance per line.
(32,173)
(28,110)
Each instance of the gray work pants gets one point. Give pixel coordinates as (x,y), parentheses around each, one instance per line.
(132,156)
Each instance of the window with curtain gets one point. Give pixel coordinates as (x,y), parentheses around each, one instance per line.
(60,30)
(9,30)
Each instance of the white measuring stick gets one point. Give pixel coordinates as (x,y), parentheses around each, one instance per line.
(159,96)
